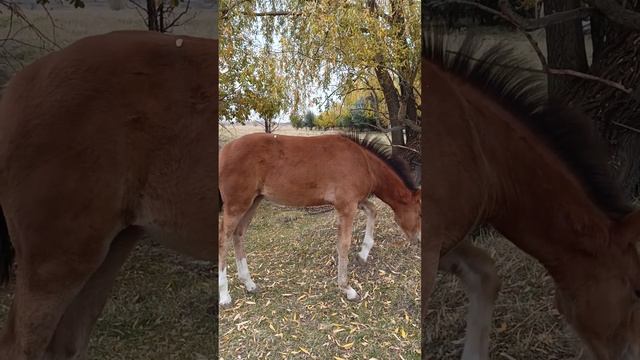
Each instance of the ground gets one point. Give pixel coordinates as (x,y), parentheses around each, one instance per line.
(526,324)
(300,313)
(158,309)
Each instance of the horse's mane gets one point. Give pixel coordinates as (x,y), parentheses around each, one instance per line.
(383,151)
(502,75)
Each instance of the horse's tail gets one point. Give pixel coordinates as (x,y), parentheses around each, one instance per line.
(7,252)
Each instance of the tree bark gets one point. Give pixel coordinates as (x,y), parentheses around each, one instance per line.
(152,16)
(392,99)
(615,57)
(565,47)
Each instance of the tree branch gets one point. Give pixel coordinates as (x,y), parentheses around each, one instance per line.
(617,13)
(535,24)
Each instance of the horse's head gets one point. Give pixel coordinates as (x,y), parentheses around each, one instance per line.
(409,216)
(603,305)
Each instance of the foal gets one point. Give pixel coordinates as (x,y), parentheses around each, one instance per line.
(339,170)
(497,153)
(104,142)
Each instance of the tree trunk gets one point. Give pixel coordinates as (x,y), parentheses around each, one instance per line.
(152,16)
(267,126)
(609,107)
(392,99)
(565,47)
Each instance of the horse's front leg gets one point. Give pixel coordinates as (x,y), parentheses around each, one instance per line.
(478,274)
(346,215)
(367,243)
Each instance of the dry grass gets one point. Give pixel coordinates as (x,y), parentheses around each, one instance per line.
(526,324)
(300,313)
(159,307)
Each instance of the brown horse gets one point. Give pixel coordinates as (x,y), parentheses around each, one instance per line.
(101,143)
(499,153)
(339,170)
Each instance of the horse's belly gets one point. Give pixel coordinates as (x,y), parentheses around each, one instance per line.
(298,197)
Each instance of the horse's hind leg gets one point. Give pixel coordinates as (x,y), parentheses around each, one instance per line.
(477,271)
(50,277)
(71,338)
(238,245)
(367,243)
(346,214)
(231,217)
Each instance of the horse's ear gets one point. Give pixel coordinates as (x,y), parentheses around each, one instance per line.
(627,230)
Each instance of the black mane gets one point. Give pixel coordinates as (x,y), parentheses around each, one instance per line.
(503,75)
(384,153)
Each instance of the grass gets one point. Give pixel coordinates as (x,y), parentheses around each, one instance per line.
(526,324)
(158,309)
(299,312)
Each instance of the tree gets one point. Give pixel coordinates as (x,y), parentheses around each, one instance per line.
(333,45)
(296,121)
(158,15)
(607,89)
(250,81)
(309,119)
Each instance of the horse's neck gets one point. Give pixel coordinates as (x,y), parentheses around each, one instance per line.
(538,203)
(388,186)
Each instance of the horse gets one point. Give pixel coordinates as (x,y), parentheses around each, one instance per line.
(500,153)
(104,142)
(342,170)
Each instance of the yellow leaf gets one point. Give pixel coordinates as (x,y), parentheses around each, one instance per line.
(347,346)
(502,327)
(305,351)
(403,333)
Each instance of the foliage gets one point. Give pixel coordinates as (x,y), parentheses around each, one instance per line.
(309,119)
(325,50)
(358,110)
(297,121)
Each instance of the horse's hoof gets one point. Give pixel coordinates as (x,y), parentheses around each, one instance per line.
(225,302)
(254,290)
(225,305)
(360,260)
(354,299)
(352,295)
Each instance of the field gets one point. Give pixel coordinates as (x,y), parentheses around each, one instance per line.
(158,309)
(526,324)
(299,312)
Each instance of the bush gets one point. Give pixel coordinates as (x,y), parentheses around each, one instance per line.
(309,119)
(296,121)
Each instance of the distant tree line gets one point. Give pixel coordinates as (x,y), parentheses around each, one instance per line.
(360,116)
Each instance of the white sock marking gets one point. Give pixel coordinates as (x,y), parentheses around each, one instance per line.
(223,288)
(244,276)
(367,243)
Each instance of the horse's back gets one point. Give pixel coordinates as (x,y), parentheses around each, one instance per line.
(107,121)
(293,170)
